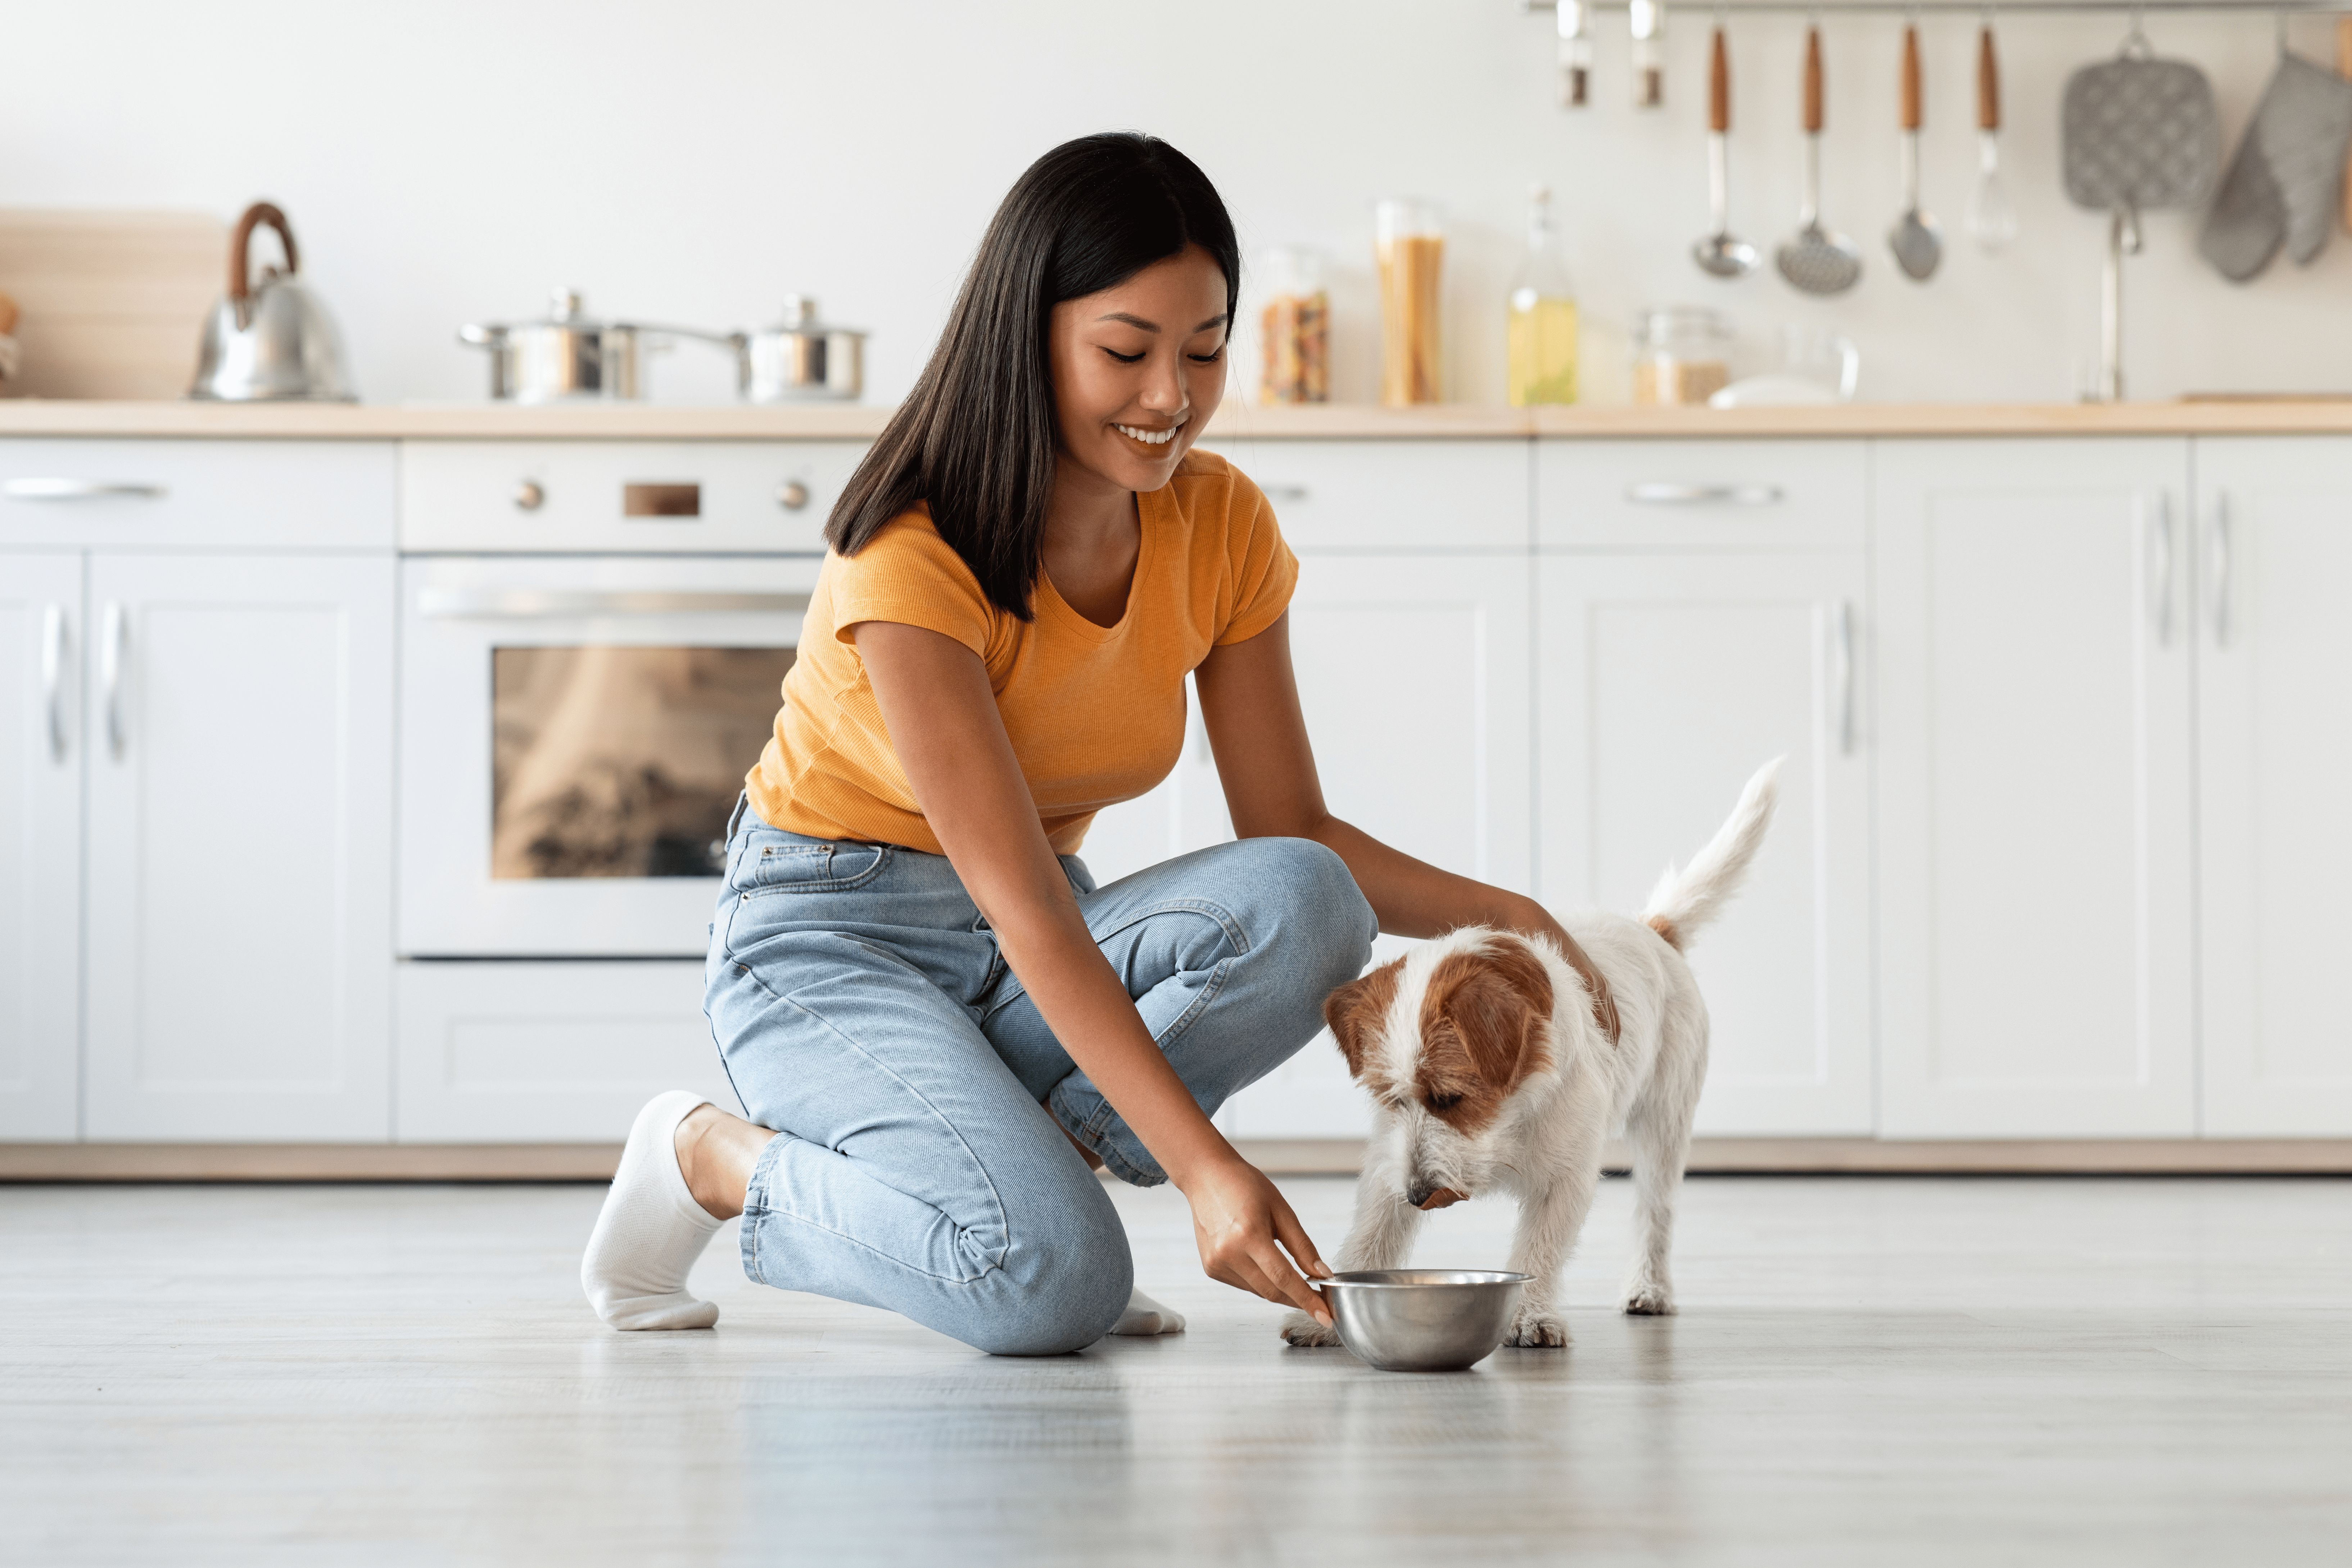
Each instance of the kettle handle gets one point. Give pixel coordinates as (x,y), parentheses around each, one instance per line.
(240,288)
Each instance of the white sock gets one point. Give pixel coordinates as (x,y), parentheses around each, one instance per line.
(651,1229)
(1146,1316)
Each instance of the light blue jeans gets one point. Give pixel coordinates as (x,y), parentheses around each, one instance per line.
(863,1011)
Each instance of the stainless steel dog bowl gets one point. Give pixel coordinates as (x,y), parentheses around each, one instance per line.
(1422,1320)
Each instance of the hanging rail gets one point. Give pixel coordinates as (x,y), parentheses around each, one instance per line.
(2001,12)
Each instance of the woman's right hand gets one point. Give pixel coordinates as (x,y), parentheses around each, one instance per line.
(1238,1218)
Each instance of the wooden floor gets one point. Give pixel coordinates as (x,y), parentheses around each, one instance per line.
(1873,1371)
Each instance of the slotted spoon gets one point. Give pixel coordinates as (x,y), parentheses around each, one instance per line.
(1917,245)
(1814,259)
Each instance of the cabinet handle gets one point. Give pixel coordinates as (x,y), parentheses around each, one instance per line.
(2161,609)
(81,490)
(53,676)
(2222,567)
(112,641)
(1283,492)
(1661,492)
(1841,641)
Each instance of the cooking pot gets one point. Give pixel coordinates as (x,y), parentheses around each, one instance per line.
(569,356)
(801,360)
(270,341)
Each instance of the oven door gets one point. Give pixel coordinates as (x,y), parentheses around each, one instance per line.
(574,732)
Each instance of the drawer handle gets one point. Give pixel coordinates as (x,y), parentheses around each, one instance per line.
(1663,492)
(538,605)
(1283,492)
(81,490)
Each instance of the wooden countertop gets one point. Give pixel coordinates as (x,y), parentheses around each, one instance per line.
(1235,421)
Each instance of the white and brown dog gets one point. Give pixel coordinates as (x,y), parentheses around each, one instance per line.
(1497,1062)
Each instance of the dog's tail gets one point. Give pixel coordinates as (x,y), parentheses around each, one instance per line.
(1686,901)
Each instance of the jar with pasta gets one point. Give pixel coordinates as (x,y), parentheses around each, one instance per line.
(1295,329)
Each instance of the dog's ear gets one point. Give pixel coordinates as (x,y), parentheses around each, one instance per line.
(1496,1001)
(1355,1012)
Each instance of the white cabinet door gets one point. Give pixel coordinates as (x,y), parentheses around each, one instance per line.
(1662,684)
(2274,754)
(1413,675)
(2034,865)
(239,847)
(40,845)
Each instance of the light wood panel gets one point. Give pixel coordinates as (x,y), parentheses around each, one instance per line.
(113,302)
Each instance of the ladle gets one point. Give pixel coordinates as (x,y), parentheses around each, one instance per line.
(1719,254)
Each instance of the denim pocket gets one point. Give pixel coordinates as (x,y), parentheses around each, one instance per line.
(772,863)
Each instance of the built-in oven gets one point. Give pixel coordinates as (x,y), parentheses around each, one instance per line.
(574,733)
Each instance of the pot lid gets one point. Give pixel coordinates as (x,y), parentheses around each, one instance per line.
(801,316)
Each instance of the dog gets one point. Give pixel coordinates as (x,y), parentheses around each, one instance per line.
(1497,1062)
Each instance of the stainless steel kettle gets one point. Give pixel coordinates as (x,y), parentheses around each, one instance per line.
(271,341)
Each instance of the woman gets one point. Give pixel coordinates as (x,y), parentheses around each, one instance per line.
(935,1019)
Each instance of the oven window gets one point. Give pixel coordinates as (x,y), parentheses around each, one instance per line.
(623,761)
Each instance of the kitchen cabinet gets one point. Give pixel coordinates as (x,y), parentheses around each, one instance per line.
(238,847)
(2035,861)
(1662,683)
(2274,754)
(1414,674)
(41,845)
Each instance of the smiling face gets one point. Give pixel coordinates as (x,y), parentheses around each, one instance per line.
(1138,368)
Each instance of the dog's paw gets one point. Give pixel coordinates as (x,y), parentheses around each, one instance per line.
(1303,1330)
(1650,1299)
(1537,1331)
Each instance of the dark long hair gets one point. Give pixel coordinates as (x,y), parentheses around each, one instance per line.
(976,439)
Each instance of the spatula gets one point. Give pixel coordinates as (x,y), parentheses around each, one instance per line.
(1814,259)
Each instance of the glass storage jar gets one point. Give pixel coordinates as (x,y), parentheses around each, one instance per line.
(1682,354)
(1295,328)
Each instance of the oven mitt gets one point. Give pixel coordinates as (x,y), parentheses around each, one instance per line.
(2286,186)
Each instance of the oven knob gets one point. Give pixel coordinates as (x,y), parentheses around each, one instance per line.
(791,495)
(528,496)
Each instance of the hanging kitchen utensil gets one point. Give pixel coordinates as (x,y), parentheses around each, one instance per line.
(1814,259)
(1916,244)
(1992,217)
(2136,133)
(272,341)
(2344,68)
(1648,22)
(1575,18)
(1720,255)
(2284,186)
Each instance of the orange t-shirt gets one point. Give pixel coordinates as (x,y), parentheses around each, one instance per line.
(1096,714)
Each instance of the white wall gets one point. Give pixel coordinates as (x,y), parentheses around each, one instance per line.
(695,160)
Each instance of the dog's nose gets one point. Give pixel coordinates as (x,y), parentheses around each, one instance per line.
(1418,1193)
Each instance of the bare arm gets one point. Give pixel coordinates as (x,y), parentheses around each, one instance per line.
(943,724)
(1249,700)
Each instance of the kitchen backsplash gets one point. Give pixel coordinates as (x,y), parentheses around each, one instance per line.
(729,154)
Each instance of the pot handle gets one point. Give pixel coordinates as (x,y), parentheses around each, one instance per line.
(240,288)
